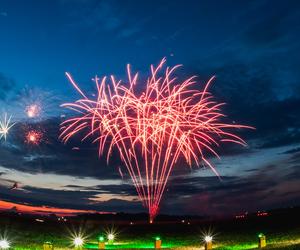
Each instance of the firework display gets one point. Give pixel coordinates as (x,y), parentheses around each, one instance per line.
(152,130)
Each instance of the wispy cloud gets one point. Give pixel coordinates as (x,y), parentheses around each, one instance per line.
(3,14)
(99,17)
(6,85)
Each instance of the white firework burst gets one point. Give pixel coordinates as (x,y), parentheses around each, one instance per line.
(5,126)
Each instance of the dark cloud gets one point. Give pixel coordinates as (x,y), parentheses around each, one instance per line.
(285,128)
(77,199)
(258,90)
(295,158)
(248,90)
(52,156)
(257,74)
(292,151)
(212,193)
(263,189)
(293,174)
(126,189)
(273,28)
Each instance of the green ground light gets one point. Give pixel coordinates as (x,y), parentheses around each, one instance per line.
(101,238)
(121,245)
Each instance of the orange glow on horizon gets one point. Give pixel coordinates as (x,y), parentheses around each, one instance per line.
(44,210)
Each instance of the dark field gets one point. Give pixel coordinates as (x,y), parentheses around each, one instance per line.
(282,230)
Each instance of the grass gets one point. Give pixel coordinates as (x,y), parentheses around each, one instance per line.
(228,235)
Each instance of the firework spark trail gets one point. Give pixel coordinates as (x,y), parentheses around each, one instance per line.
(151,131)
(5,126)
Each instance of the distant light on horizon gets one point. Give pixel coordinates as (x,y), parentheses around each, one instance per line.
(78,241)
(110,236)
(208,238)
(4,244)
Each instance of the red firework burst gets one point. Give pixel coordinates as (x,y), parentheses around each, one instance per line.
(33,137)
(152,130)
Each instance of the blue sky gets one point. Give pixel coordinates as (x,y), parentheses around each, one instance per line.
(252,48)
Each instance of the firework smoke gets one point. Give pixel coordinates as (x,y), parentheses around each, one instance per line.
(33,110)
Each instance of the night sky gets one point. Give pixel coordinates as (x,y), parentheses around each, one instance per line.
(252,47)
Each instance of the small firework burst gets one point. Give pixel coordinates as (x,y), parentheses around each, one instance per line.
(5,126)
(33,110)
(36,104)
(34,137)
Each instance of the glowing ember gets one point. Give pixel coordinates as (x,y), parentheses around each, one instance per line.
(153,130)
